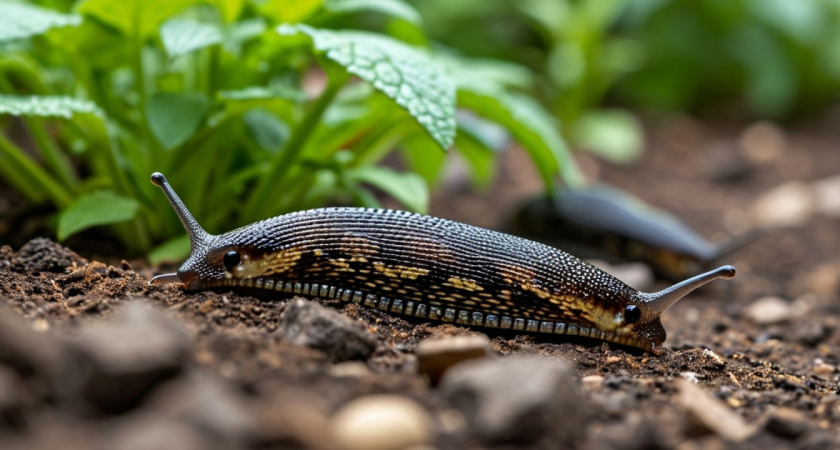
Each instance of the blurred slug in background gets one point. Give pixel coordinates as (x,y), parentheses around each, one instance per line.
(603,222)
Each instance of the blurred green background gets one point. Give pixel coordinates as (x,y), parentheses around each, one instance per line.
(258,107)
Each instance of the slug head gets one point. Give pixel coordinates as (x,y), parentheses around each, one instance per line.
(645,309)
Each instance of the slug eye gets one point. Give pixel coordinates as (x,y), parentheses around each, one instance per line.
(632,314)
(231,259)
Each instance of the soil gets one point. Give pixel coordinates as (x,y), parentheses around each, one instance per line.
(780,377)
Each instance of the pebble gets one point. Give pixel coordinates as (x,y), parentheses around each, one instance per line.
(827,196)
(381,422)
(787,205)
(823,369)
(436,356)
(124,358)
(312,325)
(150,433)
(518,400)
(762,142)
(810,332)
(768,311)
(706,413)
(825,280)
(209,405)
(593,382)
(786,423)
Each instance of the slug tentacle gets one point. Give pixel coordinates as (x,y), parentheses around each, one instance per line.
(421,266)
(658,302)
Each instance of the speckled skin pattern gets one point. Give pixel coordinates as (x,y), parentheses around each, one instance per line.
(421,266)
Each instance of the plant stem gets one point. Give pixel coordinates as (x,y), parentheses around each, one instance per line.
(57,161)
(286,159)
(59,196)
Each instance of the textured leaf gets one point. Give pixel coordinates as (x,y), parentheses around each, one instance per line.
(46,106)
(180,37)
(95,208)
(394,8)
(137,18)
(18,20)
(407,188)
(175,116)
(404,74)
(614,135)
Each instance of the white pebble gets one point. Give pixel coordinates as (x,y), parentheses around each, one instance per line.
(381,422)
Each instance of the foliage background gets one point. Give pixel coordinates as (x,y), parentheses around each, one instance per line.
(259,107)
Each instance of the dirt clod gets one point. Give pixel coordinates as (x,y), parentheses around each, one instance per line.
(44,255)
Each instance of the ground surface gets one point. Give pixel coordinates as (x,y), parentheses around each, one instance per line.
(223,370)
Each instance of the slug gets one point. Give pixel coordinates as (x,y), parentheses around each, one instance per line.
(602,222)
(436,269)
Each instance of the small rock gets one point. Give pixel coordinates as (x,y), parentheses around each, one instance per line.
(825,280)
(810,332)
(44,255)
(790,204)
(30,353)
(381,422)
(787,423)
(124,358)
(519,399)
(762,142)
(208,405)
(593,382)
(705,413)
(154,433)
(311,325)
(293,424)
(436,356)
(768,311)
(827,194)
(823,369)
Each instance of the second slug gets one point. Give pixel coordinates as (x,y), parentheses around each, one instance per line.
(421,266)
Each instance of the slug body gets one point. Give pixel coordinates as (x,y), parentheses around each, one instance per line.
(603,222)
(415,265)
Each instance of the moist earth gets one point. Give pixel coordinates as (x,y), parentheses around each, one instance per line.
(91,356)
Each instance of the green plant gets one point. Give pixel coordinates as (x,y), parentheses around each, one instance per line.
(252,109)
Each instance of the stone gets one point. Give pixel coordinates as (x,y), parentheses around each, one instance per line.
(155,433)
(790,204)
(827,195)
(310,324)
(518,400)
(209,405)
(786,423)
(762,142)
(436,355)
(27,351)
(121,360)
(381,422)
(704,413)
(768,311)
(810,332)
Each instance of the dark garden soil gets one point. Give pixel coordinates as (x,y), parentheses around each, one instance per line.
(93,357)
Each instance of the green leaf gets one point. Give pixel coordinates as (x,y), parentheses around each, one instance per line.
(394,8)
(404,74)
(180,37)
(418,151)
(267,129)
(614,135)
(95,208)
(135,18)
(229,9)
(173,250)
(46,106)
(290,11)
(531,125)
(175,116)
(480,158)
(19,21)
(407,188)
